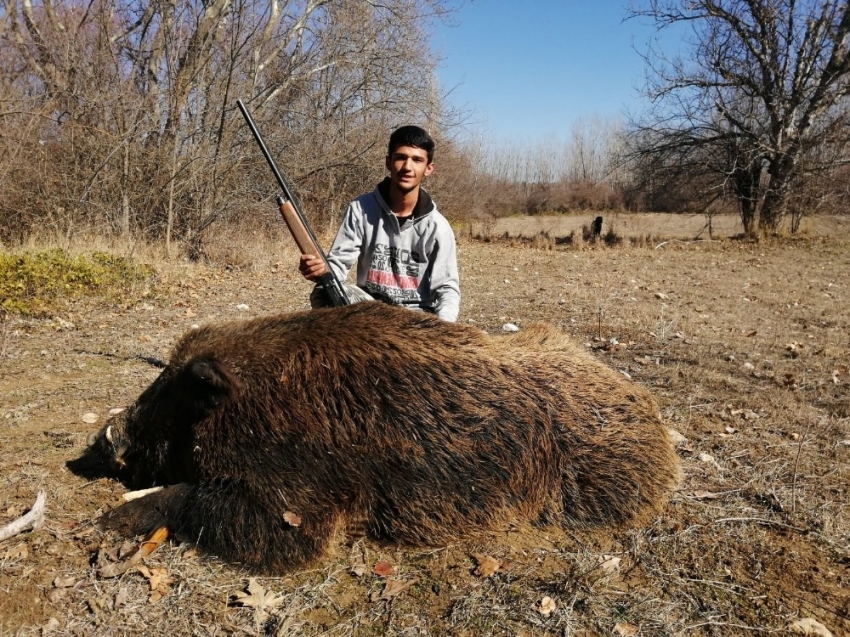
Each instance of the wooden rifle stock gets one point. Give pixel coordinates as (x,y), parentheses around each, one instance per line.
(296,222)
(307,244)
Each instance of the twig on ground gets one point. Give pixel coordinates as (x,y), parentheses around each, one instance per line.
(34,519)
(764,521)
(727,624)
(796,465)
(664,243)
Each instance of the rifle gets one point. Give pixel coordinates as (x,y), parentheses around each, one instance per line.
(295,221)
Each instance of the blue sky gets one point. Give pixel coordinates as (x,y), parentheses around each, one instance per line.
(529,69)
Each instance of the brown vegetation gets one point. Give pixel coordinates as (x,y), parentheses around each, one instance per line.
(119,118)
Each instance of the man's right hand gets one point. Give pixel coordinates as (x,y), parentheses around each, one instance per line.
(311,267)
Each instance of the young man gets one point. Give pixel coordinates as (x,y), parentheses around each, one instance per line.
(403,247)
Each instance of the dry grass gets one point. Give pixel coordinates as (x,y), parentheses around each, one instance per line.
(745,345)
(641,229)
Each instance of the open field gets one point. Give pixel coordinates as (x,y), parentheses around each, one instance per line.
(745,345)
(651,226)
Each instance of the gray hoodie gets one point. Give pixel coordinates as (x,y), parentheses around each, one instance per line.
(413,264)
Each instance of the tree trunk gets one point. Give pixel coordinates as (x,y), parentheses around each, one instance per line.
(775,203)
(125,194)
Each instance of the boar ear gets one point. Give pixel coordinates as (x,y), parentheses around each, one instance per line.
(210,383)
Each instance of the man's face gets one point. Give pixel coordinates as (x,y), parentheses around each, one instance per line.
(408,166)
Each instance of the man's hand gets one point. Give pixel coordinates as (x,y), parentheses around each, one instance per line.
(311,267)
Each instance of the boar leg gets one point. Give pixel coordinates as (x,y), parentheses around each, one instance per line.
(225,518)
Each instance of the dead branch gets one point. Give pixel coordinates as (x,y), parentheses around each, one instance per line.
(34,519)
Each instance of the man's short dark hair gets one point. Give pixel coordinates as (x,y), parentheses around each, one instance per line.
(412,136)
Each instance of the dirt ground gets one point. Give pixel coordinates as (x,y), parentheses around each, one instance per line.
(745,345)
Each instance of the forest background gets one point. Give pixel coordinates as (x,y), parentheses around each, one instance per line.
(118,118)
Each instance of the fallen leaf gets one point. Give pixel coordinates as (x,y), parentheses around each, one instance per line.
(751,334)
(64,582)
(794,349)
(158,578)
(359,570)
(114,570)
(609,563)
(625,630)
(675,436)
(383,568)
(257,597)
(809,626)
(705,495)
(121,597)
(89,418)
(148,546)
(486,565)
(396,586)
(292,519)
(20,552)
(661,295)
(51,626)
(746,414)
(730,430)
(545,606)
(126,549)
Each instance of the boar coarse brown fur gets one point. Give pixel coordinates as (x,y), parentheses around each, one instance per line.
(422,431)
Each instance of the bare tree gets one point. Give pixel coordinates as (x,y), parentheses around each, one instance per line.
(592,151)
(124,109)
(757,108)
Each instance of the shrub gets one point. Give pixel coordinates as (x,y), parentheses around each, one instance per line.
(31,284)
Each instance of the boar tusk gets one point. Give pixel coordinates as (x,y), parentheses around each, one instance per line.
(135,495)
(108,433)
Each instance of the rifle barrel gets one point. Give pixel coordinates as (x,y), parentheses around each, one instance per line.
(256,133)
(332,285)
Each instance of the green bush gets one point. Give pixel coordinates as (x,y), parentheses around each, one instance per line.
(32,283)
